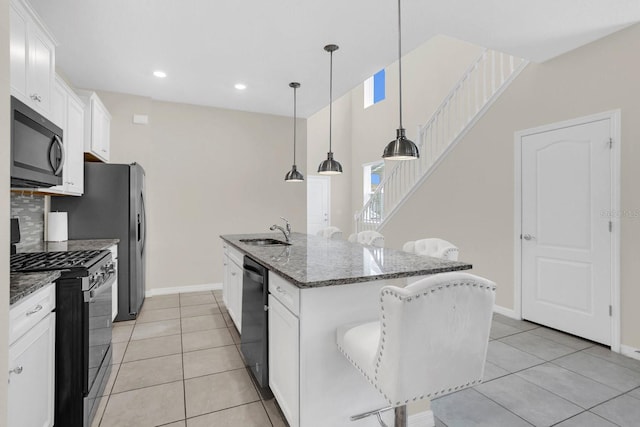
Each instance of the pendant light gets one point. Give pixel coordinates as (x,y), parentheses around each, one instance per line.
(400,148)
(293,175)
(330,166)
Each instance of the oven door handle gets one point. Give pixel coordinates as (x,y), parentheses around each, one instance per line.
(91,294)
(58,171)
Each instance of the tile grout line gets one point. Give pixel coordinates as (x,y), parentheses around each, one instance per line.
(543,388)
(611,361)
(592,379)
(564,398)
(219,303)
(184,381)
(108,396)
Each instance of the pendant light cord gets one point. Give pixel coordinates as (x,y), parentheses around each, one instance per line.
(330,97)
(294,125)
(400,61)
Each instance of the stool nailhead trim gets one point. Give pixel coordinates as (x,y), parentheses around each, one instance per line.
(491,288)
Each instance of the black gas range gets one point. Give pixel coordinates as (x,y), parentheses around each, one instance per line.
(74,263)
(83,328)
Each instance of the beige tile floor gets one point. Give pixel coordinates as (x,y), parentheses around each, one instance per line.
(179,365)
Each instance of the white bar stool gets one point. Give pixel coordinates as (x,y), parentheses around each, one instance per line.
(434,247)
(330,233)
(368,237)
(431,340)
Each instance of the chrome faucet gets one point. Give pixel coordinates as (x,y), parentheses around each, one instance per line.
(286,231)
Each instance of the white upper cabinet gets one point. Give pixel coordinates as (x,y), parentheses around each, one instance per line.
(67,111)
(74,139)
(32,58)
(97,128)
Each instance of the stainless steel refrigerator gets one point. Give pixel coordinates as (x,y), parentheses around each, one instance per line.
(113,207)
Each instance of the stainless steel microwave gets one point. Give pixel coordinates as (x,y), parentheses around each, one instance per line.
(37,149)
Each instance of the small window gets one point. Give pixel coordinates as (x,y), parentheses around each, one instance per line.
(374,89)
(373,173)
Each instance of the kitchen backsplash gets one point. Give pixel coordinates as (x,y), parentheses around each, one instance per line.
(30,210)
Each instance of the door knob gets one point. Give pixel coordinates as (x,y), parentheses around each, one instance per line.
(527,237)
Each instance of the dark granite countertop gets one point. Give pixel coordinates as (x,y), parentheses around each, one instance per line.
(72,245)
(22,285)
(313,261)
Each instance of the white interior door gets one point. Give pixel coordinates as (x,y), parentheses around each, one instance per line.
(566,235)
(318,203)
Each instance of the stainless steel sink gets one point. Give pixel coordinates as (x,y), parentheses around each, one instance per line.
(265,242)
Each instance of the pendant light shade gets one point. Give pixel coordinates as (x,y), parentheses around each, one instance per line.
(293,175)
(400,148)
(330,166)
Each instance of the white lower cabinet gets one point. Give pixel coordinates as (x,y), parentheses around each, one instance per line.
(314,384)
(232,284)
(284,355)
(32,360)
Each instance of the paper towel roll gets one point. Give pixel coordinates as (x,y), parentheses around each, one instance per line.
(57,230)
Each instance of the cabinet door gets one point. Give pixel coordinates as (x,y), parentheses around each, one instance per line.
(59,117)
(105,142)
(18,52)
(96,127)
(41,69)
(73,139)
(100,130)
(284,359)
(235,295)
(31,376)
(225,277)
(59,106)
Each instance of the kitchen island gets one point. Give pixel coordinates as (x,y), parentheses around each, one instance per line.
(315,286)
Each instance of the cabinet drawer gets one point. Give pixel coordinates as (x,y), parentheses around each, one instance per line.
(24,315)
(285,292)
(235,256)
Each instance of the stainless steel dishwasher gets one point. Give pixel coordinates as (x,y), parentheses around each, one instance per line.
(255,332)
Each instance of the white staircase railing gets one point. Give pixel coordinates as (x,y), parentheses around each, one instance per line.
(482,83)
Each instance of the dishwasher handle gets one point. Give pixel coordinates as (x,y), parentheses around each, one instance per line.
(253,275)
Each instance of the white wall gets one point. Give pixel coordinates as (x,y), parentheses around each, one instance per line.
(4,205)
(429,72)
(209,172)
(360,135)
(470,197)
(317,148)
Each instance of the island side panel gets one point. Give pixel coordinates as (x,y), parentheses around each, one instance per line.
(331,388)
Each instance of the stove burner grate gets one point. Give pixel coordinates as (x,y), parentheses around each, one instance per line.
(45,261)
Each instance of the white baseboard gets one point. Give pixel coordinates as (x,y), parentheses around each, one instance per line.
(422,419)
(505,312)
(630,351)
(183,289)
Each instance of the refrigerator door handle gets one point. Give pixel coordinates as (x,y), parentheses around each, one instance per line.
(144,224)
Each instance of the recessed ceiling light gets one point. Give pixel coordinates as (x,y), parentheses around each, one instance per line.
(160,74)
(240,86)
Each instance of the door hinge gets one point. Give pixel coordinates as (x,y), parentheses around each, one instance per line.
(610,311)
(610,226)
(610,143)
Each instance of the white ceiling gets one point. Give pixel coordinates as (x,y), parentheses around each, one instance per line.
(206,46)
